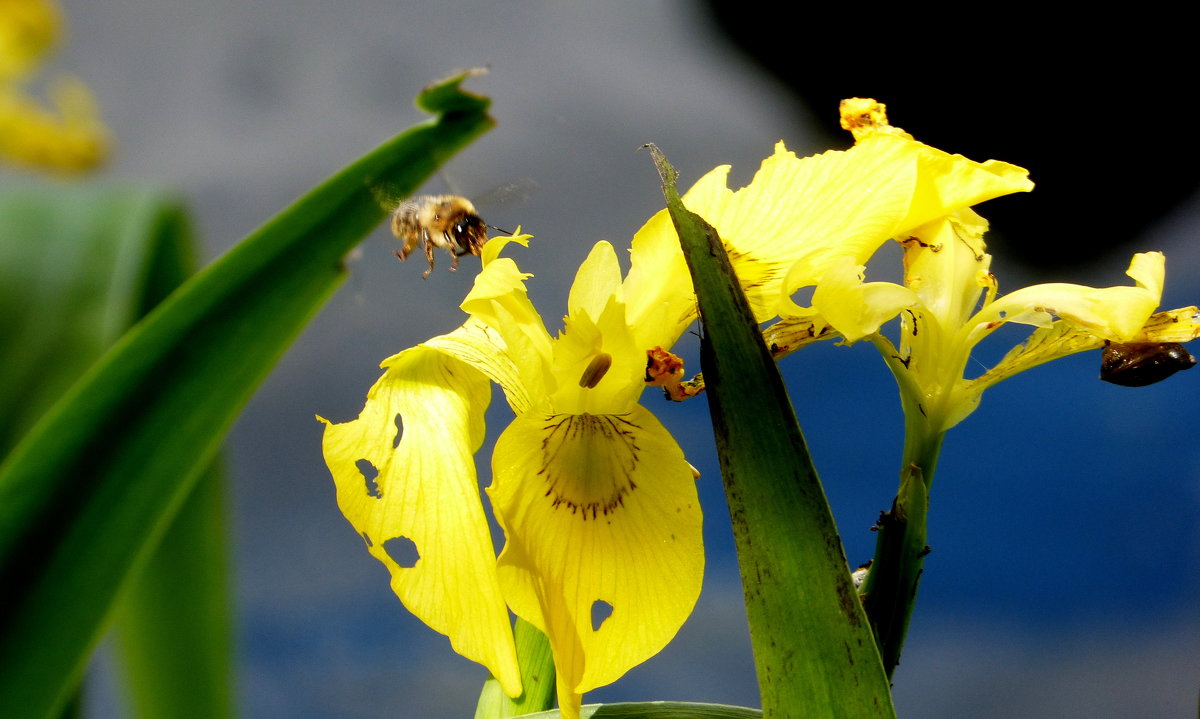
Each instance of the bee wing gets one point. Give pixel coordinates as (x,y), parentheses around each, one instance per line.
(516,192)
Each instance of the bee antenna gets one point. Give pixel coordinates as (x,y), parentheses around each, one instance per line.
(501,229)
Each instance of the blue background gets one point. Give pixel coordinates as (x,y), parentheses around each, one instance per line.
(1063,575)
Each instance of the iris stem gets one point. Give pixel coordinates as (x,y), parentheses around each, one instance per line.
(537,678)
(890,591)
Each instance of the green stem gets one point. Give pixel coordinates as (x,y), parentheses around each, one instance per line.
(537,678)
(890,591)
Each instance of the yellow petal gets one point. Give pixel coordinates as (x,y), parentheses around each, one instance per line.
(597,281)
(28,30)
(484,349)
(660,301)
(493,247)
(810,212)
(601,514)
(499,300)
(1181,325)
(416,503)
(855,308)
(1112,313)
(598,368)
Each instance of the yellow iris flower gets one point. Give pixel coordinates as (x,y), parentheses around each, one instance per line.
(68,137)
(602,525)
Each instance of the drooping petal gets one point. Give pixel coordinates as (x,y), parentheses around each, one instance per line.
(945,183)
(855,308)
(602,518)
(416,504)
(1181,325)
(484,349)
(1112,313)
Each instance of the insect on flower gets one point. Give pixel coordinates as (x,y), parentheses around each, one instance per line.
(447,221)
(1137,364)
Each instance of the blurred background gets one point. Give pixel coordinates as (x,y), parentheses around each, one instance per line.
(1063,524)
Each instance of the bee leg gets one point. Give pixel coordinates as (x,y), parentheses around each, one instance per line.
(428,256)
(454,265)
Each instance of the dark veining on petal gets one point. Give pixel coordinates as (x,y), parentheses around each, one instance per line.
(588,462)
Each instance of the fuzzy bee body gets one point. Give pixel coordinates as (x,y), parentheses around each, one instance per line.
(446,221)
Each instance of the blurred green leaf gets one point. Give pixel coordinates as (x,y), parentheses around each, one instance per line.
(79,265)
(657,710)
(174,628)
(97,481)
(813,649)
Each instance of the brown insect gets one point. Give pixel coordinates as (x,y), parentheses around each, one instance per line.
(1137,364)
(447,221)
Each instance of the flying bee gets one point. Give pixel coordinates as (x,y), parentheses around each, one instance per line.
(1137,364)
(447,221)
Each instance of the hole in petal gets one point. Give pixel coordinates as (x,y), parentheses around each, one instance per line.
(601,610)
(367,538)
(804,296)
(399,431)
(403,551)
(370,475)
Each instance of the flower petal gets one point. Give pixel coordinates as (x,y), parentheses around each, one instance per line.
(855,308)
(660,301)
(597,281)
(499,300)
(416,503)
(810,212)
(1181,325)
(1112,313)
(484,349)
(601,515)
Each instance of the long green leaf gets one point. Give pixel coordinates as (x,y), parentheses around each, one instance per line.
(656,710)
(813,649)
(100,477)
(174,627)
(79,264)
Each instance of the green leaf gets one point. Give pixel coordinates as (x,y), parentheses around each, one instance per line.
(657,710)
(81,263)
(174,627)
(813,648)
(537,678)
(97,481)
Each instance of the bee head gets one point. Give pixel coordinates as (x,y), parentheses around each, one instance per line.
(469,234)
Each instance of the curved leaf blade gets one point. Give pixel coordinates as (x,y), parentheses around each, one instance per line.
(98,480)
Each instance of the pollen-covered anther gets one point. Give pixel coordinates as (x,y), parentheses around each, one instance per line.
(589,461)
(596,370)
(662,367)
(863,116)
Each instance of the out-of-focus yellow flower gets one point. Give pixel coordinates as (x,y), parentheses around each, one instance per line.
(602,523)
(68,135)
